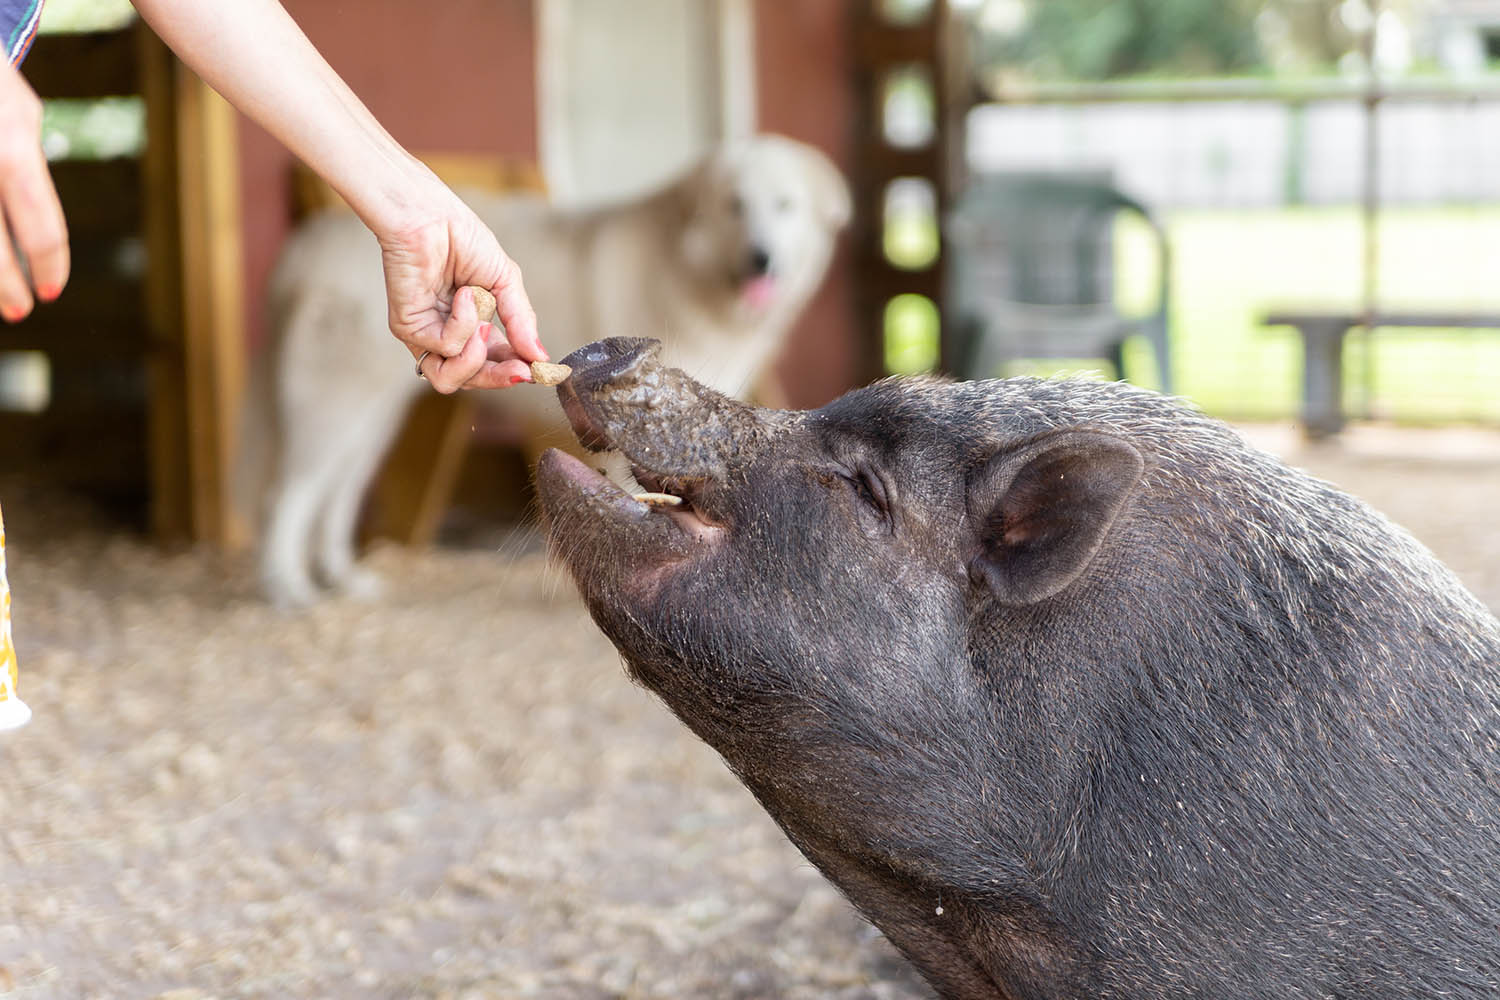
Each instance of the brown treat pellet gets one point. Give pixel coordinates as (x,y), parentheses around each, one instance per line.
(547,373)
(484,303)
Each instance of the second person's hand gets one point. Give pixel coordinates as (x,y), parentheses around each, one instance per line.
(30,214)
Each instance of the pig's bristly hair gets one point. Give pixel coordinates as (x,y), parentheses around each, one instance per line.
(1253,743)
(1279,646)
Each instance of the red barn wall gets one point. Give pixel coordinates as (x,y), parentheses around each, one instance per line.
(454,76)
(804,73)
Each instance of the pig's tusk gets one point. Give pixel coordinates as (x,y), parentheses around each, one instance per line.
(659,499)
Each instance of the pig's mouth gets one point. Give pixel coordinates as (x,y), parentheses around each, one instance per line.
(617,400)
(666,499)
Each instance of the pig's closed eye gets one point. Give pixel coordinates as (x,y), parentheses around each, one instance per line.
(869,489)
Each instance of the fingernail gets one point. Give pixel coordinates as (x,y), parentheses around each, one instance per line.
(485,330)
(13,314)
(49,291)
(518,378)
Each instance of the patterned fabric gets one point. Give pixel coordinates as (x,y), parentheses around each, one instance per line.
(13,711)
(18,21)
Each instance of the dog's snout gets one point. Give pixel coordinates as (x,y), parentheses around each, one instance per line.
(759,261)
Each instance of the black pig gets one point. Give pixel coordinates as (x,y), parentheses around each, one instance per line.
(1072,692)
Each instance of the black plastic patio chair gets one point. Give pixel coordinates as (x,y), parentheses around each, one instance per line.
(1031,274)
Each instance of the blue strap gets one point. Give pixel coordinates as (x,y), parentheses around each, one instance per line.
(18,21)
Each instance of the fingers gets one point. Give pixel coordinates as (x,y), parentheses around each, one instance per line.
(450,374)
(36,219)
(15,297)
(513,309)
(460,326)
(497,366)
(422,264)
(500,375)
(502,367)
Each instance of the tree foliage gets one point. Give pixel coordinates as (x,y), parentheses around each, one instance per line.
(1097,39)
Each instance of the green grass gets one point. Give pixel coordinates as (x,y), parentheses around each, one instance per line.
(1229,267)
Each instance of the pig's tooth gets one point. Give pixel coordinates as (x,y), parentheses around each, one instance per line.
(659,499)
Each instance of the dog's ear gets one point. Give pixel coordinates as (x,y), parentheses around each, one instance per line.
(829,189)
(694,190)
(688,190)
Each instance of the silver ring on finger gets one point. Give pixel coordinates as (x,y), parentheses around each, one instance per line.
(421,358)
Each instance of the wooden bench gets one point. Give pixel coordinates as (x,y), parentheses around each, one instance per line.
(1323,334)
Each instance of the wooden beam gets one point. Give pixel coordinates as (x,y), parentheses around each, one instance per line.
(194,299)
(213,299)
(416,482)
(166,410)
(885,45)
(483,171)
(935,44)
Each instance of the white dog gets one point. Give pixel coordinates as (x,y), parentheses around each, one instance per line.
(717,265)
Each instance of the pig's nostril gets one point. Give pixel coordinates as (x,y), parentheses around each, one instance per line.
(605,360)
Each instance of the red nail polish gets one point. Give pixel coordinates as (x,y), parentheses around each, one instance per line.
(13,314)
(49,292)
(518,378)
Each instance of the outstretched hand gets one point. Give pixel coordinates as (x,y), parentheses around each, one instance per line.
(426,265)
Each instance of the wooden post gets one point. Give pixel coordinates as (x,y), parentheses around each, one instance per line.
(929,43)
(417,479)
(197,315)
(166,411)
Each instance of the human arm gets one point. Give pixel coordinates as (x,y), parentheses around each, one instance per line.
(253,53)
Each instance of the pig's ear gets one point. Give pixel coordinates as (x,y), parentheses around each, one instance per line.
(1042,510)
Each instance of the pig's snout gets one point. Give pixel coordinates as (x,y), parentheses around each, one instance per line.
(604,361)
(596,366)
(620,396)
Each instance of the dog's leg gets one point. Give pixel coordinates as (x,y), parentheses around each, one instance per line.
(284,574)
(364,444)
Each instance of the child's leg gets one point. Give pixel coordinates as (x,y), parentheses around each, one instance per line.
(13,711)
